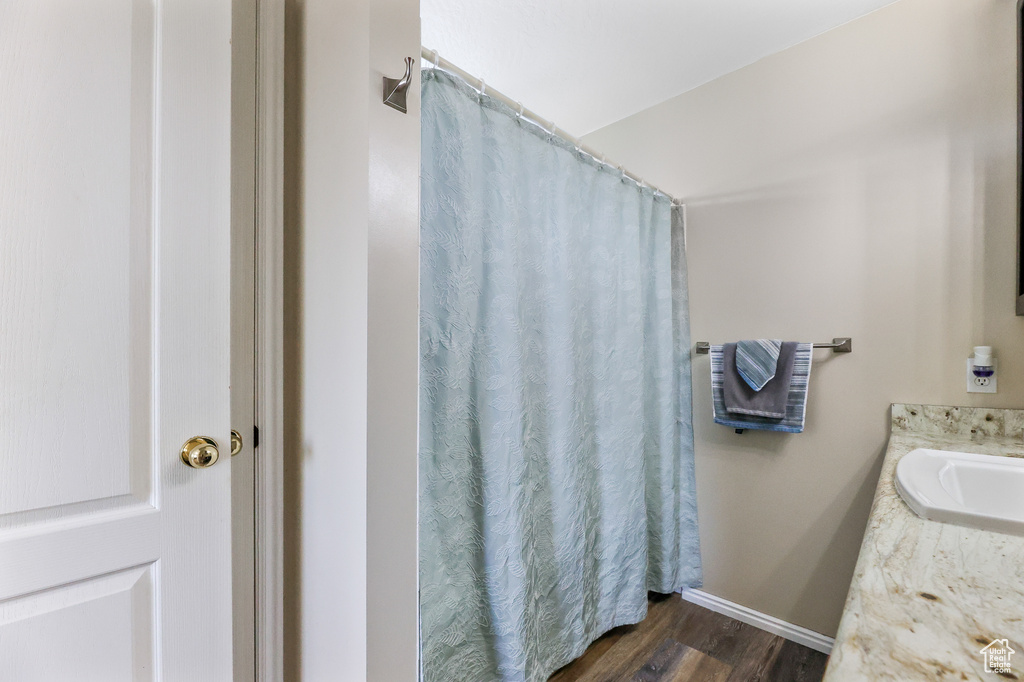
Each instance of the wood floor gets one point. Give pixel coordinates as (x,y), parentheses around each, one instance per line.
(683,642)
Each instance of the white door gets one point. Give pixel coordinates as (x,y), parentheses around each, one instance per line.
(114,339)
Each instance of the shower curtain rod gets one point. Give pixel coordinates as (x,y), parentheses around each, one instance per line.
(478,84)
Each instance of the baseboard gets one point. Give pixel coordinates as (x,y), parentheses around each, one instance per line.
(794,633)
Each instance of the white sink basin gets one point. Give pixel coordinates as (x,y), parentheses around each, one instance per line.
(978,491)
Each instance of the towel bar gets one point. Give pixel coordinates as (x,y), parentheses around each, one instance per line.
(843,344)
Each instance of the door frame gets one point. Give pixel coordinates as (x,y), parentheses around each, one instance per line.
(269,463)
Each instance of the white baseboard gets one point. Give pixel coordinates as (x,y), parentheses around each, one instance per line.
(794,633)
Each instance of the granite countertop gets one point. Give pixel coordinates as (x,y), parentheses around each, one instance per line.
(926,597)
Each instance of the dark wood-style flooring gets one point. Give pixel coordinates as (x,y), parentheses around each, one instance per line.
(683,642)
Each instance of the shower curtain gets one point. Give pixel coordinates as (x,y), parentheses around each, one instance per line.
(556,446)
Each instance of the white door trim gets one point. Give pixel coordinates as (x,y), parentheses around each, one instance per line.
(270,340)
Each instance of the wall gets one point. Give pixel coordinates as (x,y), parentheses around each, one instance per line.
(351,231)
(393,353)
(859,184)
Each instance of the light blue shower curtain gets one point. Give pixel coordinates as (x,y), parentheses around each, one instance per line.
(556,448)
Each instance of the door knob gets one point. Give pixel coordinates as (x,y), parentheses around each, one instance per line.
(200,452)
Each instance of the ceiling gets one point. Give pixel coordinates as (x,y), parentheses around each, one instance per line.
(587,63)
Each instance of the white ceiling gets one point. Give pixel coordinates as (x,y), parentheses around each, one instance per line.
(587,63)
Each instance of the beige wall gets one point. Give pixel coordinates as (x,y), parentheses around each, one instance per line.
(351,349)
(859,184)
(393,353)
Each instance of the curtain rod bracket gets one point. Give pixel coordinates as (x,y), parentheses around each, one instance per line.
(395,89)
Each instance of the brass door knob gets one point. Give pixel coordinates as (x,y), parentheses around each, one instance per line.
(236,442)
(200,452)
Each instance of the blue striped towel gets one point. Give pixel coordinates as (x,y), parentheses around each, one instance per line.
(796,405)
(757,360)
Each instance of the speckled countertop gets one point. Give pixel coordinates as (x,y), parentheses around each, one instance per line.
(927,596)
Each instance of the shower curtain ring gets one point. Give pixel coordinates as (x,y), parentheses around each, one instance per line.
(483,88)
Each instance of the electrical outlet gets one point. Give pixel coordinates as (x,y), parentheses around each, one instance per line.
(981,384)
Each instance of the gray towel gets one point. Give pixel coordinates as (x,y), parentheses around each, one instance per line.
(796,407)
(771,400)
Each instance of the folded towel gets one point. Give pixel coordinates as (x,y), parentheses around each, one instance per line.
(770,401)
(796,402)
(756,361)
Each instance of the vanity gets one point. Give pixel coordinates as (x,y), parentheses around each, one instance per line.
(932,600)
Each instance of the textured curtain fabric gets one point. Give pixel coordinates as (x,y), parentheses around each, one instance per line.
(556,447)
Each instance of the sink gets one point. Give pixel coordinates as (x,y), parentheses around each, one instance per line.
(978,491)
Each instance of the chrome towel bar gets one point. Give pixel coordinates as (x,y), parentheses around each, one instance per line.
(843,344)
